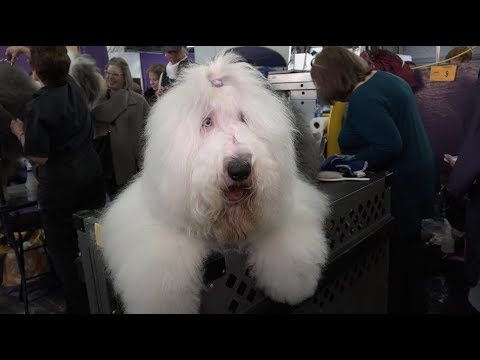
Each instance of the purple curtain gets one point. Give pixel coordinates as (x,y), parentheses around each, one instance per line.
(99,53)
(443,106)
(21,61)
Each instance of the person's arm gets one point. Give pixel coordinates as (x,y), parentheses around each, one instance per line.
(5,120)
(39,160)
(371,121)
(17,128)
(451,160)
(13,52)
(466,169)
(142,140)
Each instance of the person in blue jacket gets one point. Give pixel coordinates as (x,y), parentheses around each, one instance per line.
(383,127)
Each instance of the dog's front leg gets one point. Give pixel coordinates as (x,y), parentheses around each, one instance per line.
(162,274)
(287,259)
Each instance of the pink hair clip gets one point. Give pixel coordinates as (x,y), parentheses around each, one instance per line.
(217,82)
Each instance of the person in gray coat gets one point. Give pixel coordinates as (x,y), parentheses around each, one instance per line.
(119,120)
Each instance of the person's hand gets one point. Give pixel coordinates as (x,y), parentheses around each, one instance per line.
(13,52)
(16,127)
(160,90)
(451,160)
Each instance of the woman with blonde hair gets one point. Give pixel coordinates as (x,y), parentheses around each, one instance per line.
(119,120)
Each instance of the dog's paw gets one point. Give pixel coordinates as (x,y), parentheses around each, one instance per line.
(288,282)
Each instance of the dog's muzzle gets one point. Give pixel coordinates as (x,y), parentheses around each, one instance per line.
(239,169)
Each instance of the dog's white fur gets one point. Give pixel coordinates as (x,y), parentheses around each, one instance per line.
(159,230)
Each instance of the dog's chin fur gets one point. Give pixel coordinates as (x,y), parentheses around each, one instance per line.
(159,230)
(233,225)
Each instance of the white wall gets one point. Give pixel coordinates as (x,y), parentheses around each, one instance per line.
(203,54)
(133,61)
(426,54)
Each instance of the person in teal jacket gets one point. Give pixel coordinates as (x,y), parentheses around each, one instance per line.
(383,127)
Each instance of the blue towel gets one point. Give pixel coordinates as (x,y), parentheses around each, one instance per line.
(346,164)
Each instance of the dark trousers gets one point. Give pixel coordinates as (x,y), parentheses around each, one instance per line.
(407,285)
(407,276)
(104,151)
(472,259)
(62,242)
(62,245)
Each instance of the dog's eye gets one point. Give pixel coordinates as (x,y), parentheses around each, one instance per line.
(207,122)
(242,119)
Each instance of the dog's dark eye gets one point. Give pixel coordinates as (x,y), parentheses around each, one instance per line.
(207,122)
(242,119)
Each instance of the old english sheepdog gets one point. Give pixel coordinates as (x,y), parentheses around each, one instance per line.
(219,171)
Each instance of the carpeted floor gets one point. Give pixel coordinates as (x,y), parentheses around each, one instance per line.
(44,298)
(445,288)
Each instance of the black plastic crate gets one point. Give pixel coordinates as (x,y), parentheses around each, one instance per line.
(356,283)
(100,292)
(355,280)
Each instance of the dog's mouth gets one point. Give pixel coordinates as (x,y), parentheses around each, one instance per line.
(235,193)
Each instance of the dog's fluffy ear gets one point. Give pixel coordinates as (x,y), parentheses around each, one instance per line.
(84,70)
(16,89)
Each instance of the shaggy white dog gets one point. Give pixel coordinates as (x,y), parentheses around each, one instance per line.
(219,171)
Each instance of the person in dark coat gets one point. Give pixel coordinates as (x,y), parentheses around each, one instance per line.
(465,181)
(119,120)
(383,127)
(58,137)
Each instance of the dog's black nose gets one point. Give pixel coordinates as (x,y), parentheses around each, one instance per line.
(239,170)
